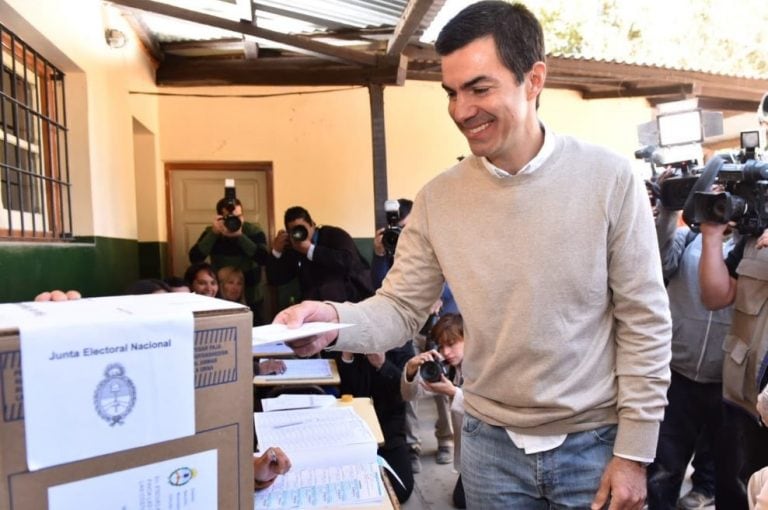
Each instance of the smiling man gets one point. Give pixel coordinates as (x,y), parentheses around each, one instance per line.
(549,246)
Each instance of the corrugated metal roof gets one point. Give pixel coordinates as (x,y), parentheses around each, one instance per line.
(295,17)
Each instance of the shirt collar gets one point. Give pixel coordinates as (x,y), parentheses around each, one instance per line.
(546,150)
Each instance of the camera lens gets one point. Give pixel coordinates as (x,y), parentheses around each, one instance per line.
(298,233)
(431,371)
(389,238)
(232,223)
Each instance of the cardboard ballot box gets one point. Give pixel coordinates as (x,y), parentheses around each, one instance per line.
(211,467)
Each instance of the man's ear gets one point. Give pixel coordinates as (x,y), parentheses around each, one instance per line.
(535,79)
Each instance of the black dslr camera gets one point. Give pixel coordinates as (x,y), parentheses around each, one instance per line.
(298,233)
(231,221)
(392,231)
(432,371)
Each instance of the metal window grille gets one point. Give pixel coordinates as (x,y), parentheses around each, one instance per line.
(34,170)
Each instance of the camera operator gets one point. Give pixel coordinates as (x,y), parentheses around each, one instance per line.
(324,258)
(741,280)
(244,248)
(693,421)
(430,372)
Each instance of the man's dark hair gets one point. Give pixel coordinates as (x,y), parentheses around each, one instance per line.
(221,204)
(516,31)
(297,212)
(405,207)
(191,273)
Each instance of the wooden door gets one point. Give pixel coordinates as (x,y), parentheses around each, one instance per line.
(194,189)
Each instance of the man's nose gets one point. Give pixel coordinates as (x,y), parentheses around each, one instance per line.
(463,108)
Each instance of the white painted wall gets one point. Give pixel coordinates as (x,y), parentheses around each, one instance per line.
(99,109)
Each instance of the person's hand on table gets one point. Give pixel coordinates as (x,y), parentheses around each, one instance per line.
(266,467)
(271,367)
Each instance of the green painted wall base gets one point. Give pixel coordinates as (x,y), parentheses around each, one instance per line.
(152,260)
(96,266)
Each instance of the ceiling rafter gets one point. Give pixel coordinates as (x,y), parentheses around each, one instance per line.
(409,22)
(301,44)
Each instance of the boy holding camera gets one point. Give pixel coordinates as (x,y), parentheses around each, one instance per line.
(440,372)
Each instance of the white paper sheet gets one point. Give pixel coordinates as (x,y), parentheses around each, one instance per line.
(188,483)
(333,456)
(294,401)
(104,382)
(281,332)
(313,368)
(310,436)
(323,487)
(271,349)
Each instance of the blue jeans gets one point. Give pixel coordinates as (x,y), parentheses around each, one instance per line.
(498,475)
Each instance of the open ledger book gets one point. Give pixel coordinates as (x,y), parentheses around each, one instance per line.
(333,458)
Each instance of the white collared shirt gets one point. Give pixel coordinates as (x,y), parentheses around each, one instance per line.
(546,150)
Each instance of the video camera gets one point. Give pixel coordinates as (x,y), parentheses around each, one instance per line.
(231,221)
(393,229)
(744,200)
(744,181)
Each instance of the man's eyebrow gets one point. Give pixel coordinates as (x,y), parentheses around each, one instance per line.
(467,85)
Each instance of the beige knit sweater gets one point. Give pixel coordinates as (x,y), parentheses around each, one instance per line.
(557,276)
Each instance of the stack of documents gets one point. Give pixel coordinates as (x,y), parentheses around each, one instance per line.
(333,457)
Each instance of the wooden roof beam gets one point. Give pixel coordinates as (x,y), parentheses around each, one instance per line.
(409,22)
(150,43)
(682,89)
(184,72)
(302,44)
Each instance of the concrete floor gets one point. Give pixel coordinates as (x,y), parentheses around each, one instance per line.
(433,489)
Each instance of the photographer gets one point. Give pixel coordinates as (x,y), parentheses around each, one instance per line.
(694,416)
(325,259)
(740,279)
(429,372)
(244,248)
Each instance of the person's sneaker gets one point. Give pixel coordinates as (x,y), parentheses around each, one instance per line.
(444,455)
(415,461)
(695,500)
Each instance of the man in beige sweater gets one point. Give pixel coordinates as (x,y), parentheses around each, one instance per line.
(549,246)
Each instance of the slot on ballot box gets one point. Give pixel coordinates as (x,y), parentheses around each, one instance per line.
(85,427)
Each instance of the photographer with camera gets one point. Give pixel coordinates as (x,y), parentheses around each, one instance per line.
(439,372)
(231,241)
(741,280)
(694,420)
(324,258)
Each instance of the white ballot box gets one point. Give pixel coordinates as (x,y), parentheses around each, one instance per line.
(136,401)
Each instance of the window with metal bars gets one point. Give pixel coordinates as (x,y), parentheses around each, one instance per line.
(34,171)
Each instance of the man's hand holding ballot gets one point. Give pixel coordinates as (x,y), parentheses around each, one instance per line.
(309,311)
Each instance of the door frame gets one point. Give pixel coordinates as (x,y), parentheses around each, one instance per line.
(216,166)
